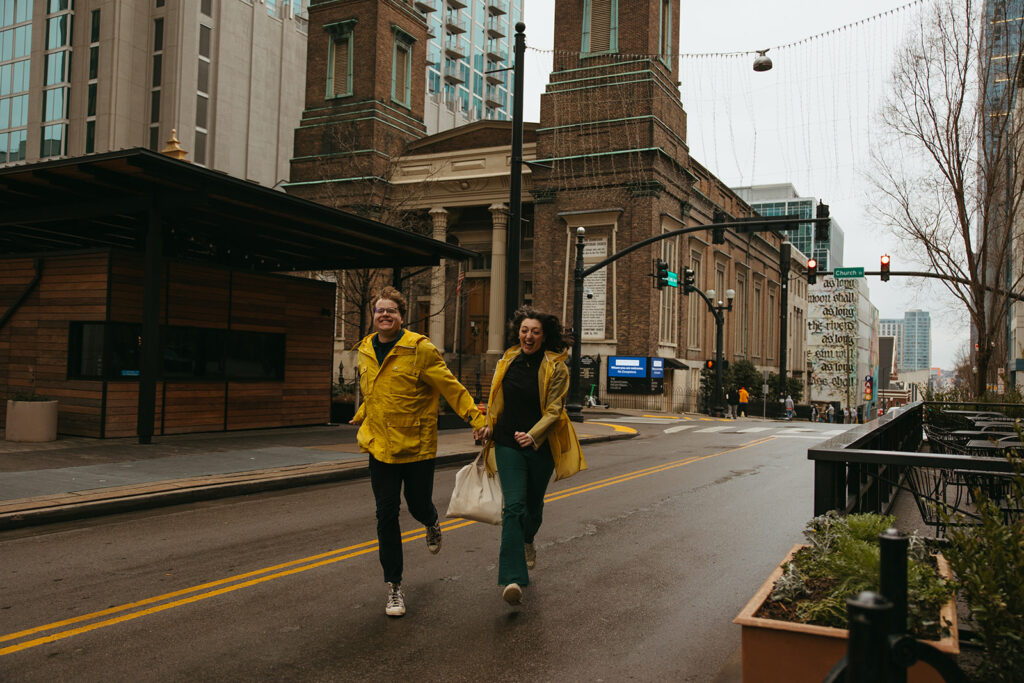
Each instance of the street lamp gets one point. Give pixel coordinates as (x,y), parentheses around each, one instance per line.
(718,310)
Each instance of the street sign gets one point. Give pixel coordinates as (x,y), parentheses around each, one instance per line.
(848,273)
(673,279)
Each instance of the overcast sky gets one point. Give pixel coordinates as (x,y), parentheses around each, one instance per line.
(809,121)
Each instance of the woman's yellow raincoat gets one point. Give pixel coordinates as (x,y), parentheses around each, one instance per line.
(554,425)
(398,415)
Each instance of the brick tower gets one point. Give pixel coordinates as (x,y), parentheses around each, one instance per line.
(365,85)
(613,138)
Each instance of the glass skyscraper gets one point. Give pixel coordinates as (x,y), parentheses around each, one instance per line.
(917,340)
(469,42)
(782,200)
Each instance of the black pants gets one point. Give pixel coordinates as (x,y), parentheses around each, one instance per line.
(386,479)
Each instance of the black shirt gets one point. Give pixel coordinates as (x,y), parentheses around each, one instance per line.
(520,389)
(383,348)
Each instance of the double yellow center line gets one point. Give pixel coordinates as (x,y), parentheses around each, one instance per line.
(66,628)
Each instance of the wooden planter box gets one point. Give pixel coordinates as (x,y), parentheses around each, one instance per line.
(789,652)
(31,421)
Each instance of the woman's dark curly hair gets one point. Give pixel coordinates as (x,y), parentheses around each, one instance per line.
(554,335)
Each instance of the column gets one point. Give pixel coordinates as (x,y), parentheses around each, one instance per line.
(437,284)
(497,317)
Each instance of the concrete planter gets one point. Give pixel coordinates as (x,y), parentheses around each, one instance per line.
(789,652)
(31,420)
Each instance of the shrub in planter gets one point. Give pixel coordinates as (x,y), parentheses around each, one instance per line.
(794,628)
(987,557)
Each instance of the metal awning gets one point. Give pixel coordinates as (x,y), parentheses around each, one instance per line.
(108,200)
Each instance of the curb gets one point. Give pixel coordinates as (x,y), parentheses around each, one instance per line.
(179,491)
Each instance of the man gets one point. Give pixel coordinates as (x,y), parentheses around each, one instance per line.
(744,400)
(790,407)
(400,376)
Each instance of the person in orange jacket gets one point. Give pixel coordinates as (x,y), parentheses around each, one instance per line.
(744,400)
(400,376)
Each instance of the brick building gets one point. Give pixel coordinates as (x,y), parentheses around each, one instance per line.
(611,156)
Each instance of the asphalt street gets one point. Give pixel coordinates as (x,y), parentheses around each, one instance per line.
(643,561)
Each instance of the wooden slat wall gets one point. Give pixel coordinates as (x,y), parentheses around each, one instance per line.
(296,308)
(34,343)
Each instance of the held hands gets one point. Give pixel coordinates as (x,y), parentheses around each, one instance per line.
(481,434)
(523,439)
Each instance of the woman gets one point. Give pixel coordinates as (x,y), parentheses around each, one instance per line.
(530,436)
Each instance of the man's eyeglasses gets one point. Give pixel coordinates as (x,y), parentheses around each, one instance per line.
(389,311)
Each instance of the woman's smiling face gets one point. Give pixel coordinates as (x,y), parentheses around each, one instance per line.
(531,335)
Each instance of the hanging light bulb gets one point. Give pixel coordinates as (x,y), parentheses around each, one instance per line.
(762,62)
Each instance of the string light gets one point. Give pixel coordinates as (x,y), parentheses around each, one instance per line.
(743,53)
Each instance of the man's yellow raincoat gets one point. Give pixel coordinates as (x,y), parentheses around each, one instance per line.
(398,415)
(554,425)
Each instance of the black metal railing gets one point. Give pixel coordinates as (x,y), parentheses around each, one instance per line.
(863,469)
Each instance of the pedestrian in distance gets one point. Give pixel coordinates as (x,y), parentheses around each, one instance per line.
(529,436)
(831,411)
(730,412)
(744,397)
(400,376)
(814,412)
(790,407)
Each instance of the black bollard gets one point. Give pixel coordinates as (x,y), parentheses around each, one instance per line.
(867,655)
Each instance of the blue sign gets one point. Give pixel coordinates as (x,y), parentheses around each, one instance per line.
(657,368)
(627,366)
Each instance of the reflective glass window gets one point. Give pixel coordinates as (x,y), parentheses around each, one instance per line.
(158,35)
(205,34)
(19,111)
(154,110)
(202,110)
(57,31)
(20,74)
(154,138)
(206,7)
(200,152)
(6,45)
(24,12)
(94,32)
(5,79)
(158,70)
(90,137)
(53,140)
(58,5)
(18,145)
(3,147)
(54,104)
(55,62)
(90,109)
(6,12)
(204,76)
(22,41)
(94,61)
(5,117)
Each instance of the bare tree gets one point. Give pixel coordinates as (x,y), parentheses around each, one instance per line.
(949,165)
(374,195)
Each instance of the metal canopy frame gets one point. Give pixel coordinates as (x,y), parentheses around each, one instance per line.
(164,208)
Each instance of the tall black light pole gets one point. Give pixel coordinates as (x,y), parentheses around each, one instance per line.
(574,408)
(785,256)
(513,235)
(718,310)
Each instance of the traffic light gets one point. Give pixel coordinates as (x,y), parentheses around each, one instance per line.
(660,273)
(821,229)
(709,365)
(885,268)
(689,281)
(812,271)
(717,231)
(868,388)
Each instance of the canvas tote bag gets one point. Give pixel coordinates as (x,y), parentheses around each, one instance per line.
(477,494)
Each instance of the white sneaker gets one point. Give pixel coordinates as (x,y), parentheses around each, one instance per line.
(395,606)
(531,555)
(512,594)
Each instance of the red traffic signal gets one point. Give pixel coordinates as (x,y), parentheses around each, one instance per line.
(885,268)
(812,271)
(709,364)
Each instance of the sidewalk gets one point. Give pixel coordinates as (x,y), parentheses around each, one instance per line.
(78,477)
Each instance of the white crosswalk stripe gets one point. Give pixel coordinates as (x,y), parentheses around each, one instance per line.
(752,430)
(679,428)
(719,428)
